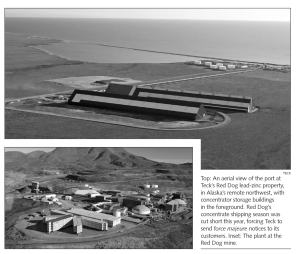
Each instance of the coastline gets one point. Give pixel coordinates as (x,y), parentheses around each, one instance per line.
(26,67)
(135,49)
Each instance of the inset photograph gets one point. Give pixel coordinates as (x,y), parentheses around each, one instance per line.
(99,198)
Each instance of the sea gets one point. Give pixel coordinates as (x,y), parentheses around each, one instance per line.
(159,41)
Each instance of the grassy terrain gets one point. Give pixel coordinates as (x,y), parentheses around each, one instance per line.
(251,141)
(26,67)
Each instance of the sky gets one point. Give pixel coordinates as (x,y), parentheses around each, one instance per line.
(160,154)
(200,14)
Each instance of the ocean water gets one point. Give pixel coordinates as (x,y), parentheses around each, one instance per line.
(239,40)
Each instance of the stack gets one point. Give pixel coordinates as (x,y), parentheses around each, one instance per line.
(77,225)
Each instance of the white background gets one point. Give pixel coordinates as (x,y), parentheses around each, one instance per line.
(281,205)
(293,208)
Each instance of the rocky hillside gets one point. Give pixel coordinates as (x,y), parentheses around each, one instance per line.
(78,159)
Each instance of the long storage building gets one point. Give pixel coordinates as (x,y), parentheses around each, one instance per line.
(93,223)
(111,220)
(209,100)
(59,223)
(184,109)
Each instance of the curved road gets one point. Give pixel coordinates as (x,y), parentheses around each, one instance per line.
(89,239)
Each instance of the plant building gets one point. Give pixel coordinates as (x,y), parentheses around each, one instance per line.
(157,101)
(111,220)
(189,110)
(209,100)
(59,223)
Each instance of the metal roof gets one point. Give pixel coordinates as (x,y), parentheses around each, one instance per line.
(93,215)
(60,218)
(85,192)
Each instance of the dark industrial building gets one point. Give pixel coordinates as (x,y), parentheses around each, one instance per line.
(103,198)
(132,202)
(209,100)
(174,108)
(188,105)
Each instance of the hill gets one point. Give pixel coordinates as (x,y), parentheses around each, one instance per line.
(73,160)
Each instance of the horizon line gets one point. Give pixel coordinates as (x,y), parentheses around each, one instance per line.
(152,19)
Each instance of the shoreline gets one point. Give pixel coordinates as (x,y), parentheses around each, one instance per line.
(136,49)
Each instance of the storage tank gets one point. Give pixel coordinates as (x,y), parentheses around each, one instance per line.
(141,209)
(219,64)
(117,213)
(214,67)
(208,63)
(231,66)
(222,68)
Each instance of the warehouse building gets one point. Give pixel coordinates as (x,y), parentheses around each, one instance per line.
(111,220)
(209,100)
(185,109)
(76,219)
(59,223)
(93,223)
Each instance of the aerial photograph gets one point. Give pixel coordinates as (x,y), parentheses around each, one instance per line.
(99,198)
(219,75)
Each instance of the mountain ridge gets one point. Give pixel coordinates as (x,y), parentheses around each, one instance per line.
(79,159)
